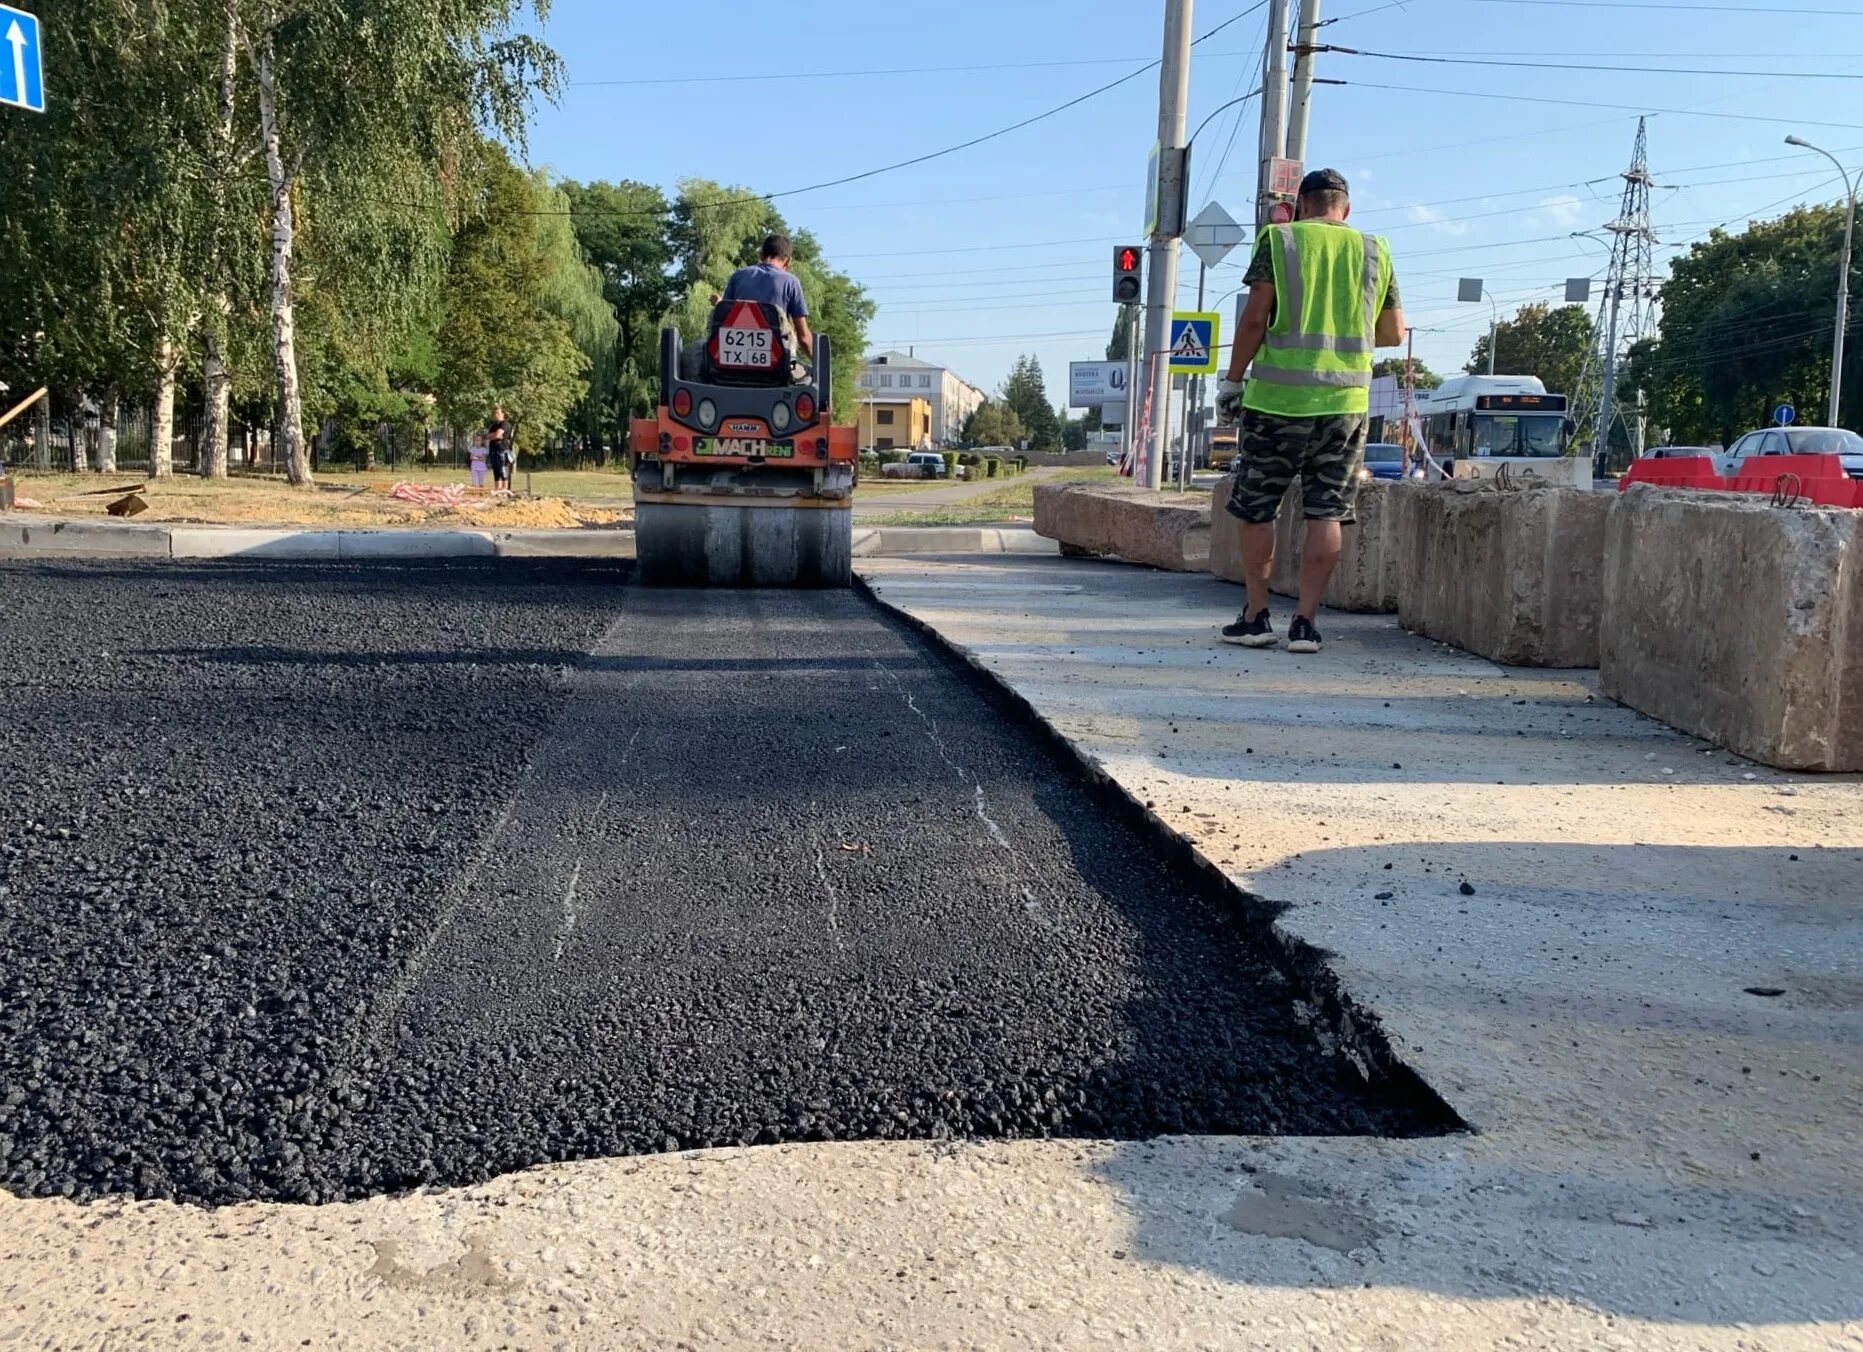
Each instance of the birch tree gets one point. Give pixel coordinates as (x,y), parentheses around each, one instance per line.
(434,71)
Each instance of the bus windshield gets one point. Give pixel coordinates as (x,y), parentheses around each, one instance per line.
(1515,435)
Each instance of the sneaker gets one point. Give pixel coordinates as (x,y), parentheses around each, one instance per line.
(1302,637)
(1255,633)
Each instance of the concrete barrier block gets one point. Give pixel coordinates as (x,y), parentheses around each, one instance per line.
(1513,575)
(29,537)
(210,542)
(1740,622)
(415,544)
(1365,579)
(1164,530)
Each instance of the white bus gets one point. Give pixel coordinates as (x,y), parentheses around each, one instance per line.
(1475,425)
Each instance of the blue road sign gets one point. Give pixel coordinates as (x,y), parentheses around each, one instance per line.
(1193,343)
(1784,415)
(22,76)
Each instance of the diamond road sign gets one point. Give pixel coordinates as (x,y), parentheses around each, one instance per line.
(1213,234)
(1193,343)
(22,77)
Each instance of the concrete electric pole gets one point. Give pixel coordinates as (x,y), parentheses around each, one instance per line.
(1273,105)
(1305,28)
(1161,295)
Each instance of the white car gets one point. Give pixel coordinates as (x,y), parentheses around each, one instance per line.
(1845,445)
(930,463)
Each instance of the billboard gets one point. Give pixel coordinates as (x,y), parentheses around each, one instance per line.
(1092,383)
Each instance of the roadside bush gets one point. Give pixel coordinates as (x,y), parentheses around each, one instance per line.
(1022,464)
(992,468)
(969,459)
(950,464)
(892,457)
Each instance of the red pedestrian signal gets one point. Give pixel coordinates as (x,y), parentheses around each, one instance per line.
(1128,266)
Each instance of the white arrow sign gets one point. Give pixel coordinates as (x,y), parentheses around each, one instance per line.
(1213,234)
(18,41)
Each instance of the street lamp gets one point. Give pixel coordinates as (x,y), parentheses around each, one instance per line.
(1471,289)
(1843,276)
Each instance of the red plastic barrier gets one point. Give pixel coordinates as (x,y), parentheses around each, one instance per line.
(1682,471)
(1816,478)
(1820,478)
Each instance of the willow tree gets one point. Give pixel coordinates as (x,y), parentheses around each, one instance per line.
(505,337)
(622,228)
(347,97)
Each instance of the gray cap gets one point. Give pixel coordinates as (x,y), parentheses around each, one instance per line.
(1324,180)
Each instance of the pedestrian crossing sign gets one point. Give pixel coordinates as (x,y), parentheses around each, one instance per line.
(1194,341)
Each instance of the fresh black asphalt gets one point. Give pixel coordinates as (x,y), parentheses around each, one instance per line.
(320,881)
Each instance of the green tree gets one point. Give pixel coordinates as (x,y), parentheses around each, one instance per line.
(436,69)
(101,217)
(1426,379)
(1747,322)
(499,340)
(622,228)
(1539,340)
(1074,433)
(1026,393)
(993,423)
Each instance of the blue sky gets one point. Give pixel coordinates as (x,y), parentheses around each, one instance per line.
(1005,248)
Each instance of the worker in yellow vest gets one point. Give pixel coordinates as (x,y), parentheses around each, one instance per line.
(1322,296)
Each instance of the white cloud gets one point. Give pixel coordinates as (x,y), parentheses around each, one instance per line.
(1565,209)
(1421,215)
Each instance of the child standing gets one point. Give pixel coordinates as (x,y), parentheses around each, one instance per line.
(479,453)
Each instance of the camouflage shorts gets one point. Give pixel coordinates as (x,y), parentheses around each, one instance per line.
(1324,453)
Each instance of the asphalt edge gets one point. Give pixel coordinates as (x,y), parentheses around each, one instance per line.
(1357,1030)
(38,537)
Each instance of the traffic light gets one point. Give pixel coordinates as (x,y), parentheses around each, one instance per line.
(1128,267)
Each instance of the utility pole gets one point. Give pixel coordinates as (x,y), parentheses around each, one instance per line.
(1273,104)
(1607,406)
(1161,297)
(1410,399)
(1306,27)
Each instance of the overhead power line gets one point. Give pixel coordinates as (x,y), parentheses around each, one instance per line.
(1420,59)
(930,155)
(1765,10)
(1592,103)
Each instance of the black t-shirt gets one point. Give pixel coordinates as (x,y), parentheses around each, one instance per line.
(500,436)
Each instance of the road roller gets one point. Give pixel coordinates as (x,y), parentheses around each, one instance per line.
(741,479)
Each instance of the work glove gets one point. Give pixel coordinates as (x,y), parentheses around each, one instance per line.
(1229,402)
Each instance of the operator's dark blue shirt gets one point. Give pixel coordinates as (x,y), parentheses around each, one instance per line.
(768,285)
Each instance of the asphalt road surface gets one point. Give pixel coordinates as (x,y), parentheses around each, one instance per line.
(319,881)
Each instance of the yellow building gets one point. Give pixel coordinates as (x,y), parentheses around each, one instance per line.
(895,424)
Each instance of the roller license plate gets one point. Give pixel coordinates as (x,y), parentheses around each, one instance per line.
(748,447)
(746,348)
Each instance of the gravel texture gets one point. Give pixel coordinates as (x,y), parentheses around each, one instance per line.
(320,881)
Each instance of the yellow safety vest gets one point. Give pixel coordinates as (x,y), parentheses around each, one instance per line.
(1330,284)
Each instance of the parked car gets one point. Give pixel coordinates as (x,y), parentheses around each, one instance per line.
(1383,460)
(1847,446)
(929,463)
